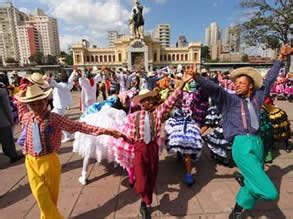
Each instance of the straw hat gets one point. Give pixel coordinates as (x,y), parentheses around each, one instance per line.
(179,75)
(250,72)
(203,71)
(37,78)
(144,94)
(33,93)
(95,69)
(151,74)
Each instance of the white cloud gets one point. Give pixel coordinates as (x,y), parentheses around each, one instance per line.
(146,10)
(67,40)
(88,18)
(25,10)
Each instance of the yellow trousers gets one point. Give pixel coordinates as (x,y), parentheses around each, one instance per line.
(44,179)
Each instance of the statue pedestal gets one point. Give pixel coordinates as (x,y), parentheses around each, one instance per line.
(137,55)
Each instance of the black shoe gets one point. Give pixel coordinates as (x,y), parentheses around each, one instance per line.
(239,178)
(144,211)
(235,215)
(17,158)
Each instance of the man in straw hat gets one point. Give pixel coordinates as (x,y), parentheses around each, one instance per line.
(145,127)
(241,113)
(38,79)
(43,139)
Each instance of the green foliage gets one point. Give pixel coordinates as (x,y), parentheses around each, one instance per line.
(269,22)
(69,59)
(50,60)
(205,53)
(37,58)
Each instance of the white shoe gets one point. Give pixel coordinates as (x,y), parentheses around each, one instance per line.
(66,140)
(82,180)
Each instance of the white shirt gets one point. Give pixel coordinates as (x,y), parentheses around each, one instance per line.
(62,97)
(88,92)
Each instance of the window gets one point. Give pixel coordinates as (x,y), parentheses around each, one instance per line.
(97,59)
(155,57)
(77,58)
(186,57)
(101,58)
(195,56)
(110,58)
(119,57)
(105,58)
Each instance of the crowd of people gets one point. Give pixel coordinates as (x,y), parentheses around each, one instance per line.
(141,113)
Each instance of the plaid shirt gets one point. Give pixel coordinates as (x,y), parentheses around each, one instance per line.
(56,124)
(158,113)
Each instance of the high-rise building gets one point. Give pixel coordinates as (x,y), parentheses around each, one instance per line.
(212,34)
(22,35)
(10,17)
(231,39)
(162,33)
(181,42)
(113,36)
(47,29)
(28,39)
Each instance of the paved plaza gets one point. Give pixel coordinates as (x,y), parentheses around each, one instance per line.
(108,195)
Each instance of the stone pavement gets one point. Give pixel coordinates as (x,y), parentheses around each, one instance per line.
(107,194)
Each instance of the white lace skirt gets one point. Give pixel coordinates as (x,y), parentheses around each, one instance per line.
(99,147)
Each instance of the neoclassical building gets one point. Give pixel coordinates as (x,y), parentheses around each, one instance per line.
(133,52)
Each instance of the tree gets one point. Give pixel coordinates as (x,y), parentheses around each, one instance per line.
(205,53)
(63,54)
(69,59)
(37,58)
(50,60)
(268,24)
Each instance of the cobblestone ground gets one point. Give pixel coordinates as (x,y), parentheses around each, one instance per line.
(107,194)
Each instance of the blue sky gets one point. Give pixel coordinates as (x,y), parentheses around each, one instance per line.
(91,19)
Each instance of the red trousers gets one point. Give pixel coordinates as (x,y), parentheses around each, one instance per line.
(146,169)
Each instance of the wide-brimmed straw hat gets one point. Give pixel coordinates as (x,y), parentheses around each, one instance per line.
(33,93)
(37,78)
(203,71)
(250,72)
(144,94)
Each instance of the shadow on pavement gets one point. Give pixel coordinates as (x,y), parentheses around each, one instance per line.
(273,211)
(205,172)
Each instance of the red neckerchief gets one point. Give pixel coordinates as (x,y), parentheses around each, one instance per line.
(92,82)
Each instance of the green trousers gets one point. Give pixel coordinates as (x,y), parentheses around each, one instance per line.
(248,155)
